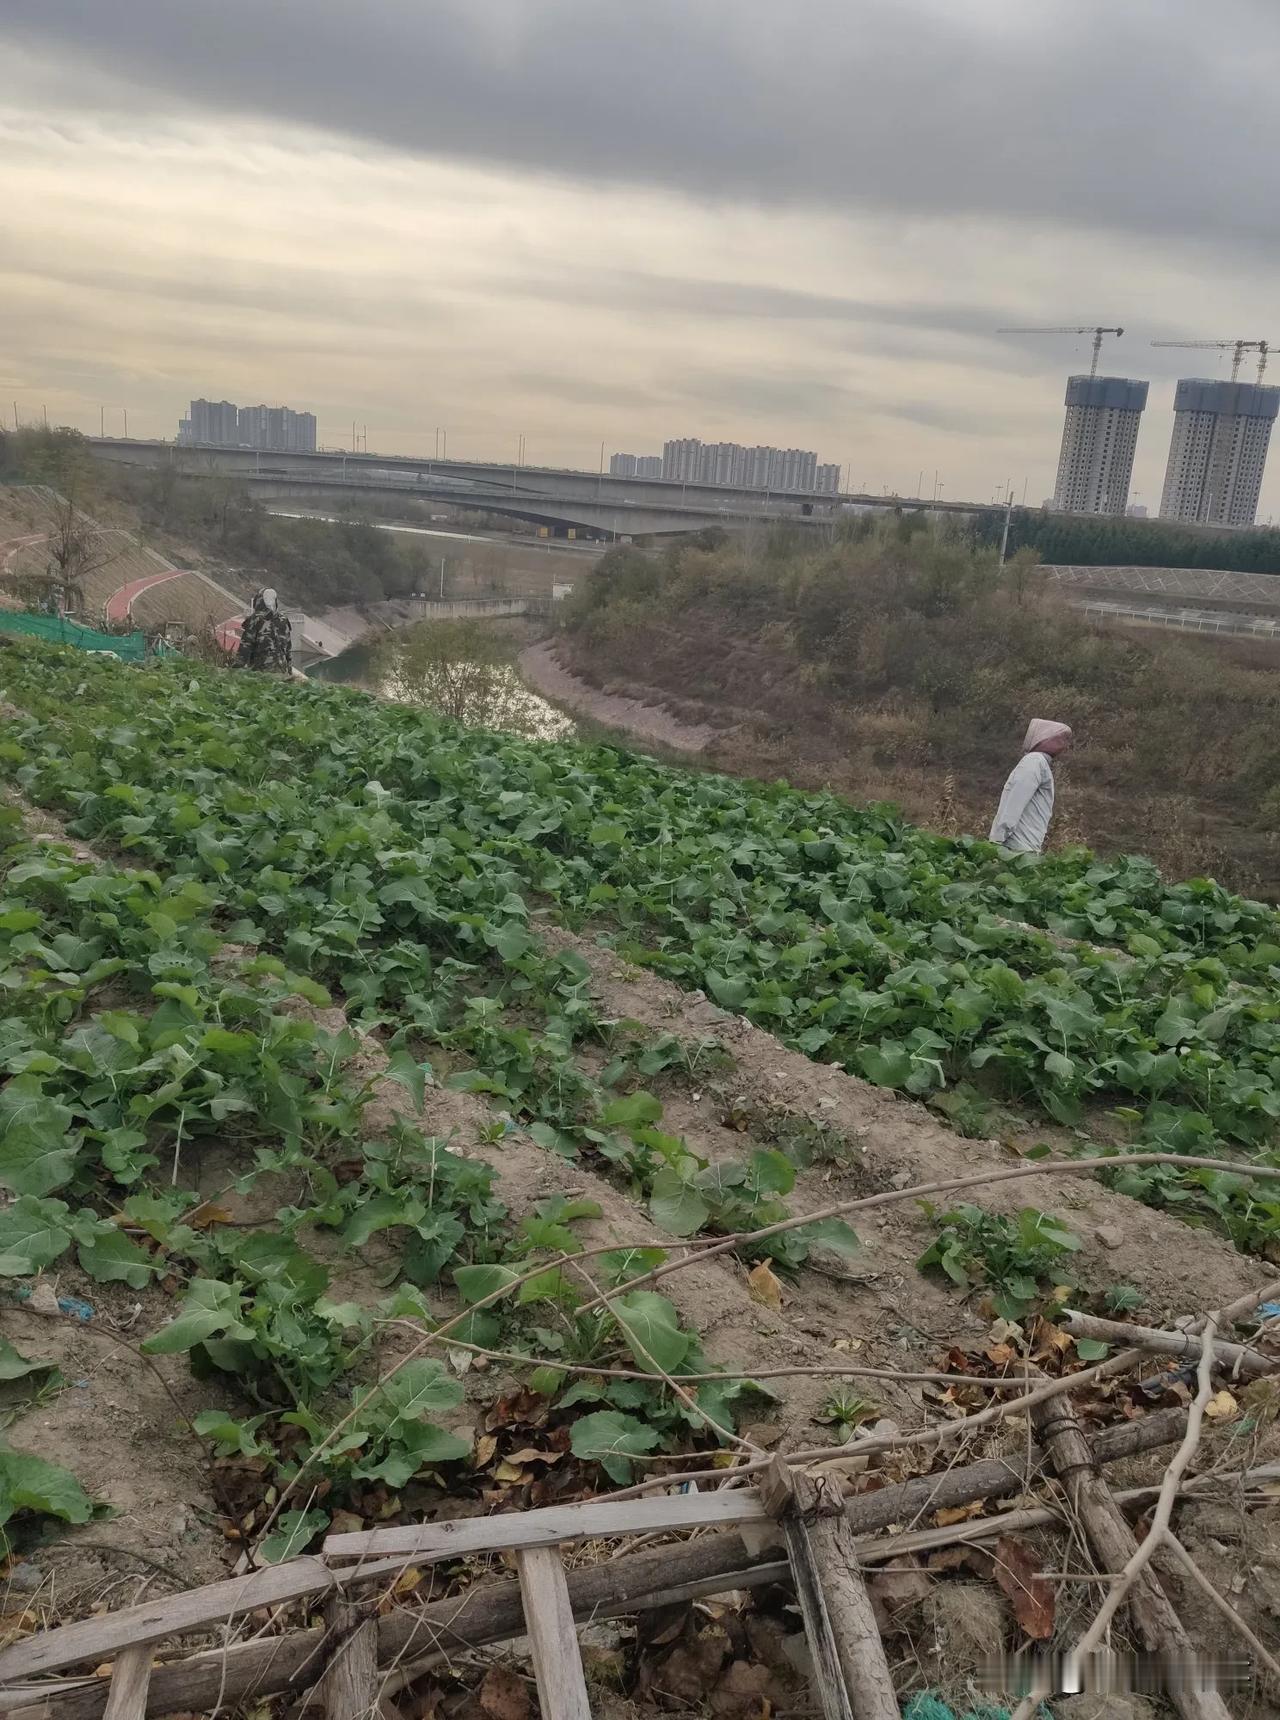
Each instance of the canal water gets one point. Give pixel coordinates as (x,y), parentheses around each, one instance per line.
(517,708)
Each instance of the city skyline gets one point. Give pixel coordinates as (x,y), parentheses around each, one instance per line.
(690,460)
(222,424)
(818,259)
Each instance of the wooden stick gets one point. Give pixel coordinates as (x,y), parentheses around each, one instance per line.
(549,1526)
(548,1617)
(127,1698)
(491,1612)
(1182,1558)
(96,1639)
(1247,1363)
(1140,1557)
(851,1672)
(349,1688)
(1113,1546)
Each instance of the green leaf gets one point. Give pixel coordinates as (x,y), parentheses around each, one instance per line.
(676,1204)
(293,1534)
(651,1327)
(111,1257)
(232,1437)
(211,1307)
(420,1388)
(637,1111)
(1092,1350)
(38,1376)
(380,1212)
(416,1446)
(476,1282)
(772,1172)
(37,1152)
(611,1439)
(411,1075)
(28,1483)
(831,1233)
(33,1233)
(621,1264)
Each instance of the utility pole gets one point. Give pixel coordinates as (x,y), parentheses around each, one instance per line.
(442,579)
(102,421)
(125,410)
(1008,515)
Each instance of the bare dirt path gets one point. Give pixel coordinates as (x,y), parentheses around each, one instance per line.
(544,672)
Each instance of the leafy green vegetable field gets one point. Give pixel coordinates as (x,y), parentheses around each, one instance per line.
(279,843)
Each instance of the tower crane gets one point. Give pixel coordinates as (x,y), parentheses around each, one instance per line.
(1092,329)
(1237,349)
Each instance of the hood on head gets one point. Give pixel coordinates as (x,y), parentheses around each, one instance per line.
(1040,730)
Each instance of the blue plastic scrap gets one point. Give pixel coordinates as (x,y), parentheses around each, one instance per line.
(930,1707)
(71,1306)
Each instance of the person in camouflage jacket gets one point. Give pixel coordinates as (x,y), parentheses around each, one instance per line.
(266,638)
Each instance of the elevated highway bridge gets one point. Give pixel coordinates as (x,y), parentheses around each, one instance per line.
(604,506)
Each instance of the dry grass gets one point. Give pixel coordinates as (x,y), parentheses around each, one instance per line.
(900,666)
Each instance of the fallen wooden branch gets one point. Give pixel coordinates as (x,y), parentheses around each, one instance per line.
(1238,1358)
(492,1612)
(1113,1546)
(1140,1558)
(1182,1559)
(349,1688)
(850,1670)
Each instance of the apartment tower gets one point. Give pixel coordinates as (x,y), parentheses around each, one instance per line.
(1221,432)
(1099,436)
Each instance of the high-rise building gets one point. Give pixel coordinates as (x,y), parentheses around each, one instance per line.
(760,468)
(209,421)
(635,465)
(1221,433)
(682,459)
(277,430)
(225,425)
(721,463)
(1098,440)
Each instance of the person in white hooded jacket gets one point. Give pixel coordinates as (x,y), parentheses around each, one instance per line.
(1026,806)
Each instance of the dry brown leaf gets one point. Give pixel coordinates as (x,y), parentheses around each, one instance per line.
(408,1580)
(741,1693)
(509,1472)
(1017,1572)
(206,1215)
(486,1449)
(950,1514)
(532,1456)
(1221,1407)
(503,1696)
(1000,1354)
(763,1287)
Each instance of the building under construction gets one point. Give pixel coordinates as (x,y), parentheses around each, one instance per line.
(1099,436)
(1221,433)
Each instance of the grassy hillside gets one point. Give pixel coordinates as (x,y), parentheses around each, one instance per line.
(902,664)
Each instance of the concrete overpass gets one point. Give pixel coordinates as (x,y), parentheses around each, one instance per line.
(561,500)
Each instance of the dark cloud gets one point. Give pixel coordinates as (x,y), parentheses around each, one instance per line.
(1152,116)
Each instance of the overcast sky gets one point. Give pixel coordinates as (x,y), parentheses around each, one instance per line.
(790,221)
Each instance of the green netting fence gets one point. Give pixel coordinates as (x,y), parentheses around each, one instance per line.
(57,630)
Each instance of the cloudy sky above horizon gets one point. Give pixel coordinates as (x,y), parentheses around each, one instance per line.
(791,221)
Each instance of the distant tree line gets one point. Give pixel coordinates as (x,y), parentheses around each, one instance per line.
(1087,540)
